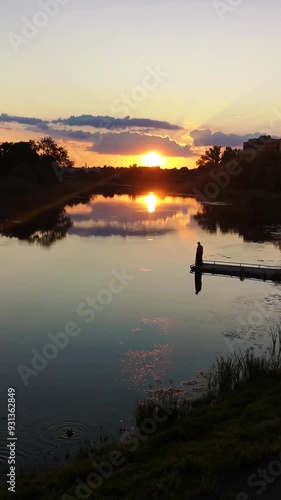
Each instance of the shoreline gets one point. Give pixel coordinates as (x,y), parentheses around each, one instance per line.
(208,449)
(21,208)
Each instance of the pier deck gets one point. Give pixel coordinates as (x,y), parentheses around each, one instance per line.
(241,270)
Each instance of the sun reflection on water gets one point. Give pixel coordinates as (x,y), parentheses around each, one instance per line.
(151,201)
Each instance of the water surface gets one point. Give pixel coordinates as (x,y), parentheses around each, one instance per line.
(157,328)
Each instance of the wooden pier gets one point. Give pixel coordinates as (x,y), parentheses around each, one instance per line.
(241,270)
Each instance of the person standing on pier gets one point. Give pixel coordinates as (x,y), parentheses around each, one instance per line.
(199,255)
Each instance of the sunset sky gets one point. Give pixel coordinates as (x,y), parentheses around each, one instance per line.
(115,80)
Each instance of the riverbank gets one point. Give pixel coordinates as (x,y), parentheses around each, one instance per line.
(22,203)
(226,446)
(31,201)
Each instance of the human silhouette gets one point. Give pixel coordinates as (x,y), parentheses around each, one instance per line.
(198,282)
(199,255)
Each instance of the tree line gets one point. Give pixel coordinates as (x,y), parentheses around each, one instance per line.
(38,163)
(33,159)
(257,169)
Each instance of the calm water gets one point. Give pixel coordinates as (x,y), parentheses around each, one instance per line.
(156,328)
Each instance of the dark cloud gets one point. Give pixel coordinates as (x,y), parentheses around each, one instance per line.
(21,119)
(43,126)
(76,135)
(110,123)
(207,137)
(128,144)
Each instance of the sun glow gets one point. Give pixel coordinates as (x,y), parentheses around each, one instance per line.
(151,201)
(153,159)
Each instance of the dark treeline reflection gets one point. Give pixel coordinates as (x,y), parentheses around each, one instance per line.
(44,230)
(47,228)
(255,224)
(254,221)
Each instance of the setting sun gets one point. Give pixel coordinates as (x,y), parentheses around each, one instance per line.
(153,159)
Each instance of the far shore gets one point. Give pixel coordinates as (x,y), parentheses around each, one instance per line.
(18,207)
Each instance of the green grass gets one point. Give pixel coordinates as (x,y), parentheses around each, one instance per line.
(188,454)
(228,373)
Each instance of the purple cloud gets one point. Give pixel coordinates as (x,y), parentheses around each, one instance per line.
(110,123)
(4,118)
(207,137)
(133,143)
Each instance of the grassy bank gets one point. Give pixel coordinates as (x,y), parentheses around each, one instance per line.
(180,453)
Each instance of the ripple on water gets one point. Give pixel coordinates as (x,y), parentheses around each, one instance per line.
(70,429)
(48,441)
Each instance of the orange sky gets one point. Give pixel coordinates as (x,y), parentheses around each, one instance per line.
(79,153)
(195,73)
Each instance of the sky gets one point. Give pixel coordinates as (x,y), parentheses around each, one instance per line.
(117,80)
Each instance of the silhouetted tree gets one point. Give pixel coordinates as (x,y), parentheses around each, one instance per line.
(48,148)
(17,154)
(211,158)
(229,154)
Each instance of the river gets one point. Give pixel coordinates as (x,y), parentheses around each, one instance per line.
(114,273)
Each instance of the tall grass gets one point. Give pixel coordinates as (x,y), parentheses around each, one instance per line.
(161,402)
(223,377)
(275,351)
(226,373)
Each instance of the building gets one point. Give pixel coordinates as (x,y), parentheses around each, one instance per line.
(263,143)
